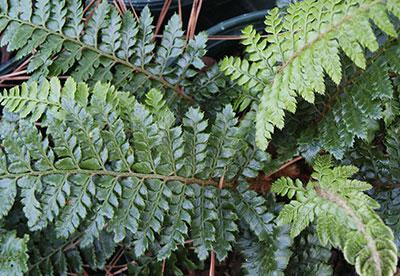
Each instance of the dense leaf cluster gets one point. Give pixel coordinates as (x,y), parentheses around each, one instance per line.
(142,151)
(300,48)
(108,47)
(107,162)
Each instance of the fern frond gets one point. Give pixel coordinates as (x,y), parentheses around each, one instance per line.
(357,112)
(50,255)
(13,253)
(388,211)
(103,161)
(110,47)
(345,218)
(300,48)
(268,257)
(309,257)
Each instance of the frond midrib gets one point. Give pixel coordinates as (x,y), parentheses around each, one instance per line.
(142,176)
(112,57)
(320,36)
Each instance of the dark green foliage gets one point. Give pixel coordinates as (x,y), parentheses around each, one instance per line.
(50,255)
(309,256)
(128,168)
(390,207)
(267,257)
(109,47)
(89,173)
(13,253)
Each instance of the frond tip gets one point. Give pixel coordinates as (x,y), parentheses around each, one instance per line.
(300,48)
(344,216)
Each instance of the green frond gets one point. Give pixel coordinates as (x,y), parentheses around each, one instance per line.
(251,208)
(13,253)
(268,257)
(309,257)
(213,90)
(50,255)
(225,227)
(356,113)
(388,211)
(109,47)
(300,48)
(344,216)
(100,163)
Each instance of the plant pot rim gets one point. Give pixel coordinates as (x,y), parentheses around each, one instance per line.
(156,4)
(243,19)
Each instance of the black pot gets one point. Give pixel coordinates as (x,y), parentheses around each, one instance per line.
(234,26)
(156,5)
(212,11)
(10,65)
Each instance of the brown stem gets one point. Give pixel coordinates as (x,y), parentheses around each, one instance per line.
(287,164)
(212,264)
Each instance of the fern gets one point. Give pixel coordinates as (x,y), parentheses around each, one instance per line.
(51,255)
(103,161)
(109,47)
(269,257)
(300,48)
(13,253)
(356,114)
(309,257)
(344,215)
(389,208)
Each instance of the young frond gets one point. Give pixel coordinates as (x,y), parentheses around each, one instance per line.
(344,217)
(300,48)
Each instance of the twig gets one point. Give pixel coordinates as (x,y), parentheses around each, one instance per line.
(87,18)
(180,10)
(161,18)
(212,261)
(87,8)
(163,267)
(134,11)
(212,264)
(122,6)
(117,6)
(114,260)
(13,74)
(194,16)
(123,268)
(287,164)
(221,182)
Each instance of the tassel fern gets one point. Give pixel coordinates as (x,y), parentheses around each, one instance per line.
(344,216)
(86,169)
(300,48)
(356,112)
(102,161)
(13,253)
(108,47)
